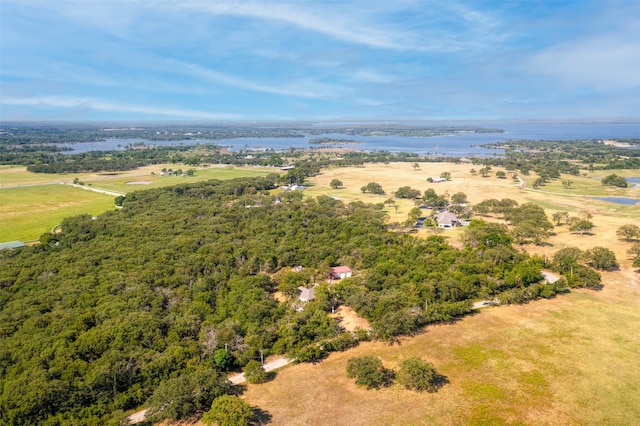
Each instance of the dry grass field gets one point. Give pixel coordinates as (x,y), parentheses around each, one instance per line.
(607,217)
(572,360)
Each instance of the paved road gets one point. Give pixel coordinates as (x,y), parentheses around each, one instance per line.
(236,379)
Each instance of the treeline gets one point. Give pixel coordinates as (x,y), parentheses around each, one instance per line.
(130,307)
(566,156)
(56,133)
(109,161)
(44,161)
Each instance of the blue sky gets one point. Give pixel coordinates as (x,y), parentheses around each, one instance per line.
(318,60)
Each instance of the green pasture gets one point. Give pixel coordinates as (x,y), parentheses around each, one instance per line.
(127,182)
(28,212)
(19,176)
(590,185)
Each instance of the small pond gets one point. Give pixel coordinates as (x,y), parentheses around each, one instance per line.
(618,200)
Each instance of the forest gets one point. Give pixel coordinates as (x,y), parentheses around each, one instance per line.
(130,307)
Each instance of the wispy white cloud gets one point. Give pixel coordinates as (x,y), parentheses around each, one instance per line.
(366,24)
(107,106)
(304,88)
(605,62)
(311,16)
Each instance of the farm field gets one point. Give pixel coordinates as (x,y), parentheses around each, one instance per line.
(28,212)
(33,203)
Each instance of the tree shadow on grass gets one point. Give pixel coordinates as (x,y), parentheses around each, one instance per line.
(260,417)
(238,389)
(438,382)
(271,375)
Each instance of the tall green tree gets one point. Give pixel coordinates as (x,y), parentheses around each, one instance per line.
(335,183)
(602,258)
(628,232)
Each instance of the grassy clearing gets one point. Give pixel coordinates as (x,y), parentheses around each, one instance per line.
(28,212)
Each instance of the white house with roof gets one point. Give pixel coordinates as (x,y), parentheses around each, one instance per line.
(340,272)
(446,219)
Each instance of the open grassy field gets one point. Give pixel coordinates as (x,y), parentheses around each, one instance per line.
(28,212)
(32,203)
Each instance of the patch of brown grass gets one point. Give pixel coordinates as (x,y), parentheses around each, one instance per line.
(349,320)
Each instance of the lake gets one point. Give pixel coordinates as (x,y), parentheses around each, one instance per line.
(618,200)
(454,145)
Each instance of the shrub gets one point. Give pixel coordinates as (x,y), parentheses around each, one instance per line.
(368,371)
(228,410)
(417,374)
(254,372)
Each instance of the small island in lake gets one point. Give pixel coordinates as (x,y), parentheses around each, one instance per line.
(333,141)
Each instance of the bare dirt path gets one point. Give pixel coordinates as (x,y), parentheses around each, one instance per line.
(94,189)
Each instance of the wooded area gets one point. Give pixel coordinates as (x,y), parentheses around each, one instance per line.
(130,307)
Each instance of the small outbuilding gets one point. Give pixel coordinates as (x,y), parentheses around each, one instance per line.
(307,294)
(340,272)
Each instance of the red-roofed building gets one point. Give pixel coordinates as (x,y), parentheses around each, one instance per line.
(340,272)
